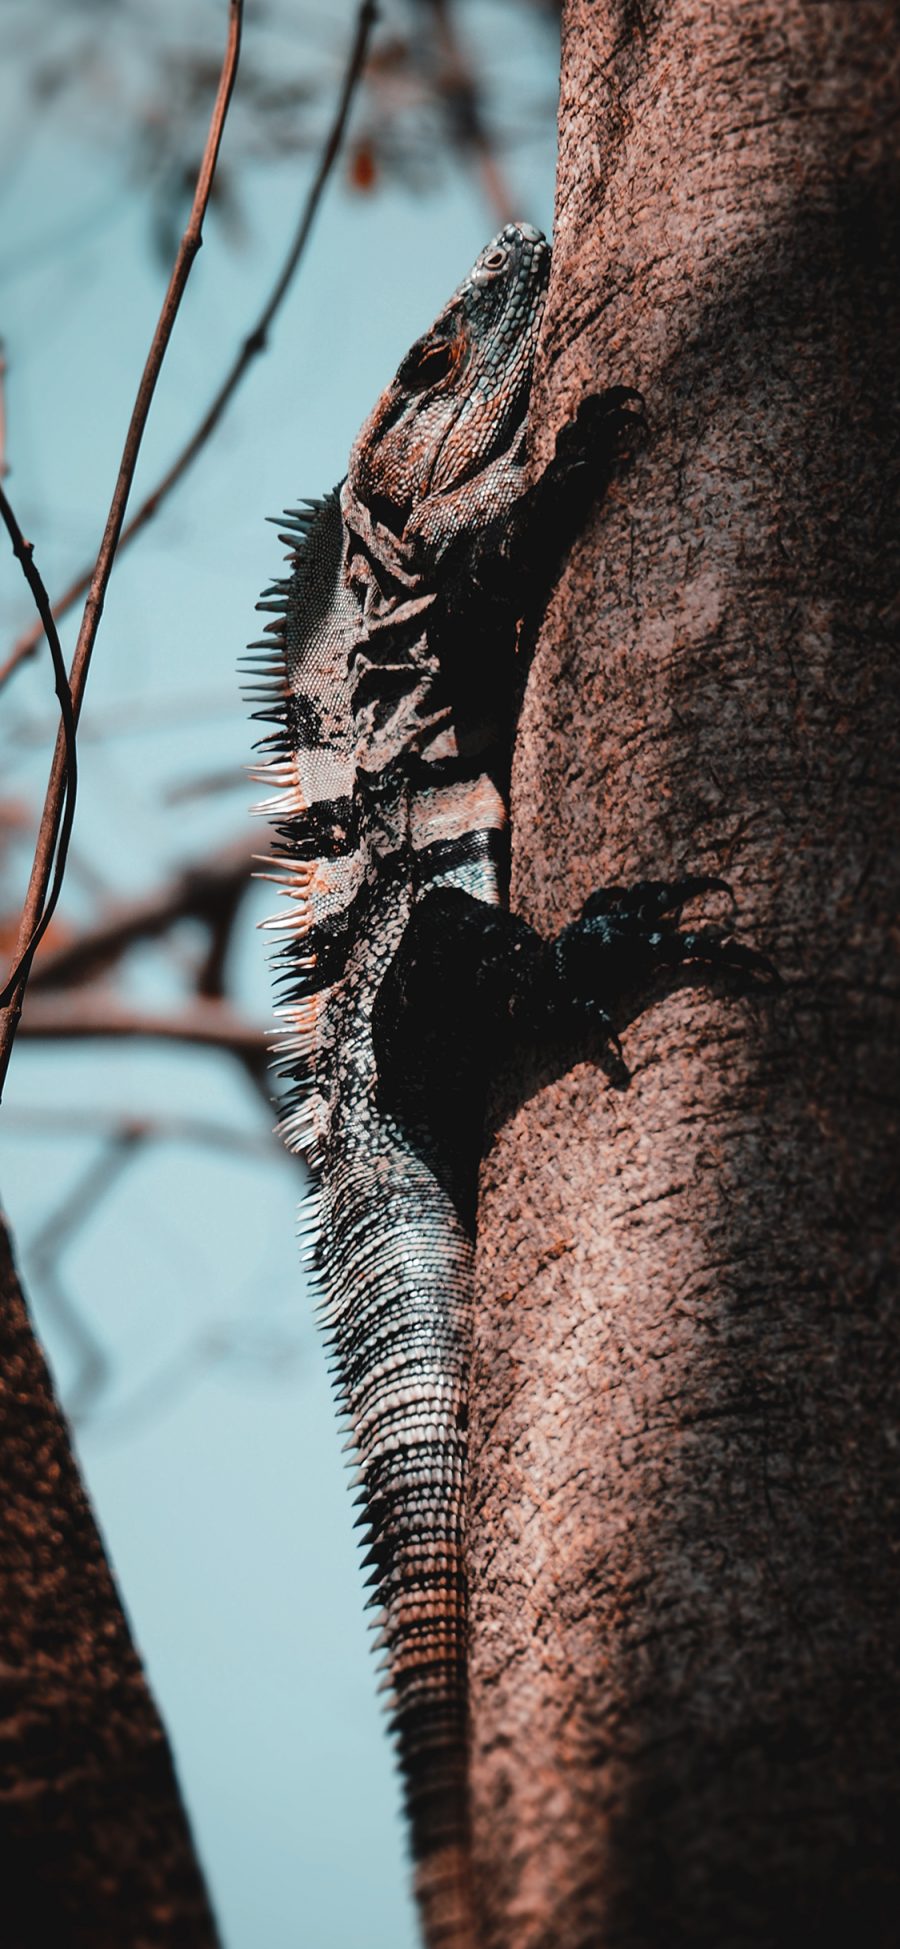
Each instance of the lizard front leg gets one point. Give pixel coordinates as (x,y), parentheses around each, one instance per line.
(467,979)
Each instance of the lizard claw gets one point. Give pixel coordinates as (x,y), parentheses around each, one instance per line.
(719,949)
(652,898)
(624,935)
(599,423)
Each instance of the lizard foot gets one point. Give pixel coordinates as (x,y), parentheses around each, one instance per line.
(593,439)
(625,935)
(468,976)
(601,419)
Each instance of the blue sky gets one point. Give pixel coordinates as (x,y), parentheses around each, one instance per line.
(213,1460)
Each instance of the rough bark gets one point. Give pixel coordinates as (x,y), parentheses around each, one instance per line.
(95,1851)
(685,1685)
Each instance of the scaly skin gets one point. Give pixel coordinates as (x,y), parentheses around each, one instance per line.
(376,804)
(388,670)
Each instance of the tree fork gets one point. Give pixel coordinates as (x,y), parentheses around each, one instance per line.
(684,1509)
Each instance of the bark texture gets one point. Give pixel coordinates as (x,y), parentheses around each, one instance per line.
(95,1851)
(686,1402)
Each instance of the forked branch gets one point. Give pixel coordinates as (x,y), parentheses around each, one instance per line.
(254,343)
(23,551)
(34,910)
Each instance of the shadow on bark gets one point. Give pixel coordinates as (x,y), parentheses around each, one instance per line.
(741,1722)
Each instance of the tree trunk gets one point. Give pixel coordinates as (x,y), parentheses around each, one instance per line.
(684,1513)
(95,1851)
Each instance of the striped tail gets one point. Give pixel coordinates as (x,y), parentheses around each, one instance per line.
(383,1242)
(396,1266)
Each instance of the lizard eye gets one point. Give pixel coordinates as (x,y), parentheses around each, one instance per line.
(429,364)
(495,259)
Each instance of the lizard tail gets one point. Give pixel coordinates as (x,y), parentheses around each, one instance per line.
(443,1892)
(397,1272)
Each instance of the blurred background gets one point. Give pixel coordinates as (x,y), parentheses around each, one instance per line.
(153,1211)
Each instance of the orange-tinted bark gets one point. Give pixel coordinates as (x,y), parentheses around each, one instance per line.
(95,1851)
(686,1402)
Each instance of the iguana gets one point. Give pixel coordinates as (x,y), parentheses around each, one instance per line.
(389,670)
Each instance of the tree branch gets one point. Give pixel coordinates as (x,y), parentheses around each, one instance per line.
(146,1126)
(213,1024)
(4,464)
(457,84)
(55,802)
(23,551)
(253,344)
(59,1228)
(205,889)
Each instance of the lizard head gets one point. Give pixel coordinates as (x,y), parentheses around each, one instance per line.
(460,397)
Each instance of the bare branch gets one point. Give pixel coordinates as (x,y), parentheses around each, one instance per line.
(122,1139)
(457,83)
(212,1024)
(254,343)
(29,936)
(136,717)
(206,890)
(206,785)
(149,1127)
(4,466)
(219,1344)
(55,801)
(57,1231)
(221,918)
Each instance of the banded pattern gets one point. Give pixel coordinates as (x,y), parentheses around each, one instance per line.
(378,797)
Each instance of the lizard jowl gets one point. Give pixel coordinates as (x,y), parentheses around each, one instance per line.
(389,671)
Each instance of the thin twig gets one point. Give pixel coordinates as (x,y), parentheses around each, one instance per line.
(24,553)
(4,465)
(213,1347)
(456,81)
(137,716)
(56,1232)
(122,1139)
(54,803)
(253,344)
(203,890)
(206,785)
(92,1014)
(151,1128)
